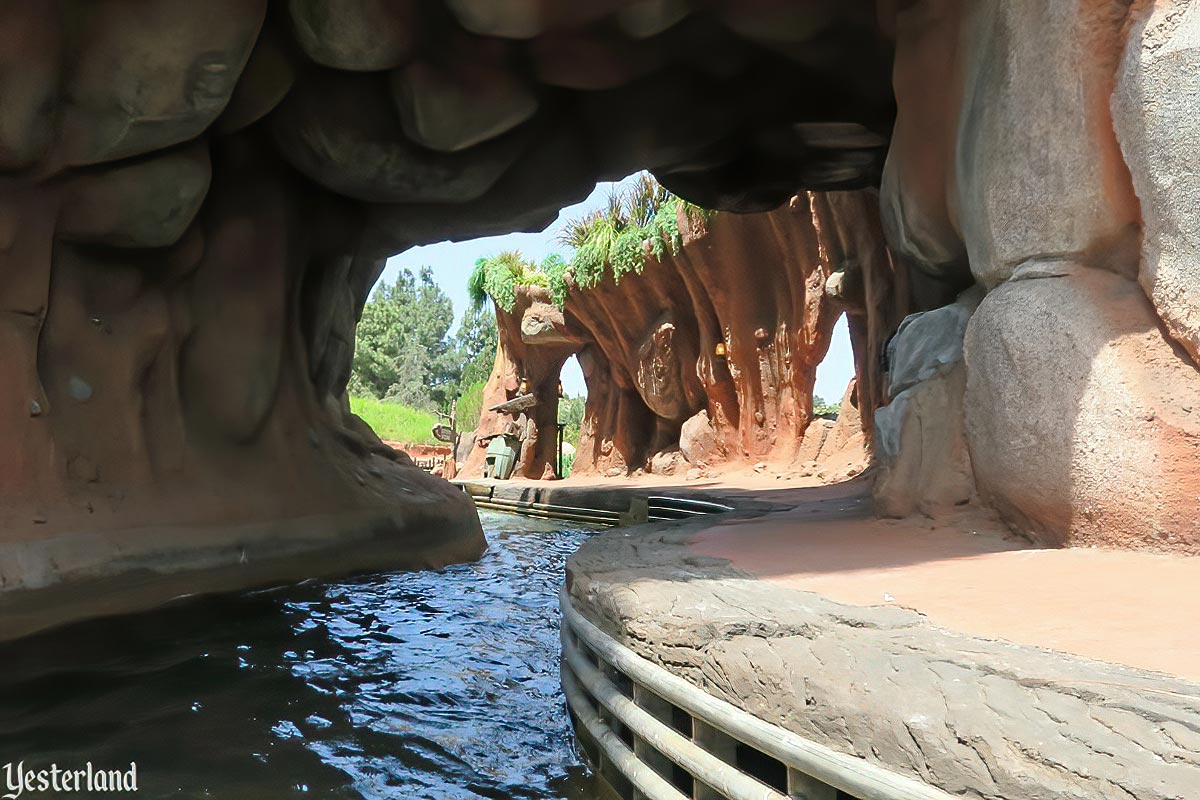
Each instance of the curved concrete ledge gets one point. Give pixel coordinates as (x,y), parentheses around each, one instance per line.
(78,575)
(969,716)
(718,732)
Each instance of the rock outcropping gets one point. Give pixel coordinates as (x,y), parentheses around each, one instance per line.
(1040,151)
(196,197)
(706,358)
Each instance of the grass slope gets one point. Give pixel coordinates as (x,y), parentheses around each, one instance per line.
(395,422)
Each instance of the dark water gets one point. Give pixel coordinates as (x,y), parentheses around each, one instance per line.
(408,685)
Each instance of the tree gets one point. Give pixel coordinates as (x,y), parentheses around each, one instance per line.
(476,343)
(402,351)
(570,413)
(823,409)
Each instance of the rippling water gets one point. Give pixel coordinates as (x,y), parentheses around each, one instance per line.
(408,685)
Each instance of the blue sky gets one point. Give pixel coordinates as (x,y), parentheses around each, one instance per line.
(452,263)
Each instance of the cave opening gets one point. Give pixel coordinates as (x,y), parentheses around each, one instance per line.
(699,336)
(992,202)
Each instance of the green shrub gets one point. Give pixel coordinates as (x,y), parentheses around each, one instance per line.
(614,240)
(823,409)
(394,421)
(499,276)
(610,242)
(568,464)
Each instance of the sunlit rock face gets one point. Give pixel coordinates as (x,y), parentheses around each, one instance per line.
(195,199)
(704,359)
(1047,152)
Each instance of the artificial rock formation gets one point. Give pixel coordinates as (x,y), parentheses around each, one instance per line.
(1042,150)
(660,397)
(532,347)
(196,198)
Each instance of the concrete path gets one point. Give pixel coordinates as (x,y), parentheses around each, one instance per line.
(953,654)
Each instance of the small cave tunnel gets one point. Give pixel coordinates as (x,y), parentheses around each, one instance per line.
(196,199)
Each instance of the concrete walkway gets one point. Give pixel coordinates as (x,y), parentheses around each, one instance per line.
(954,653)
(1137,609)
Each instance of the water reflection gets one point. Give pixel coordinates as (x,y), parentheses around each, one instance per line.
(411,685)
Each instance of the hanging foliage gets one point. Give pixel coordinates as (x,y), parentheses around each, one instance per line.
(637,224)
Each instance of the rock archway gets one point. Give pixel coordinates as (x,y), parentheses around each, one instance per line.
(706,358)
(196,197)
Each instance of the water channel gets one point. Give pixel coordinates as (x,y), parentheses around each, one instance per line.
(423,685)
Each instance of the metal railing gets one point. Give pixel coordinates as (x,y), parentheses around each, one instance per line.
(654,736)
(661,509)
(647,509)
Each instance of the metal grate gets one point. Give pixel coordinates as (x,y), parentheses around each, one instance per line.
(654,736)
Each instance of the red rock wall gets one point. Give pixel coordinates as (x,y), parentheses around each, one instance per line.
(659,397)
(173,385)
(537,363)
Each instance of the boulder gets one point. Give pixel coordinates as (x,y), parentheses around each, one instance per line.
(449,111)
(845,440)
(148,202)
(920,441)
(815,436)
(921,448)
(543,323)
(342,131)
(553,173)
(29,77)
(780,23)
(651,17)
(148,76)
(698,440)
(1081,415)
(1154,112)
(363,35)
(1038,169)
(268,76)
(509,19)
(668,462)
(526,19)
(930,343)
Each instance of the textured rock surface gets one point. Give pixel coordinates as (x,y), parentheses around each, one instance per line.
(698,441)
(532,348)
(449,112)
(974,717)
(366,35)
(1081,415)
(921,448)
(920,440)
(929,343)
(196,198)
(1038,168)
(1154,110)
(1038,138)
(648,343)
